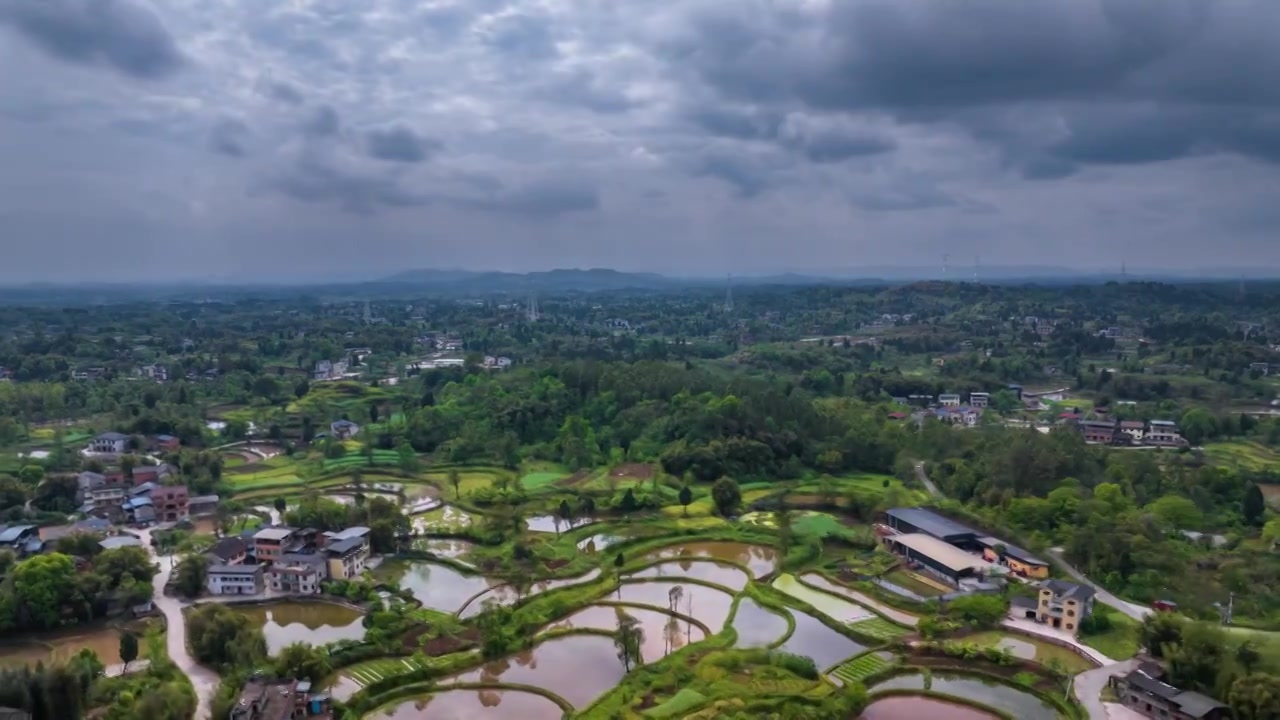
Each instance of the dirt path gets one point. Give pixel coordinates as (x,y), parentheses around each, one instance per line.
(923,477)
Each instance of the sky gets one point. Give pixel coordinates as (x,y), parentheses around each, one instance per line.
(250,140)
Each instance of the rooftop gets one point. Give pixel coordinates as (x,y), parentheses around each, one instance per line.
(228,547)
(204,500)
(342,547)
(10,535)
(950,556)
(275,534)
(112,437)
(234,569)
(930,522)
(1012,551)
(358,531)
(1065,589)
(120,541)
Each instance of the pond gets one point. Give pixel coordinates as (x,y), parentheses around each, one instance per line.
(757,626)
(814,639)
(444,547)
(599,542)
(445,518)
(468,704)
(837,609)
(506,594)
(314,623)
(892,613)
(663,634)
(760,560)
(1019,703)
(707,605)
(578,668)
(60,645)
(438,587)
(730,576)
(554,523)
(905,707)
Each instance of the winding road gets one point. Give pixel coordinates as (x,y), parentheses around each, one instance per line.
(204,680)
(1133,610)
(923,477)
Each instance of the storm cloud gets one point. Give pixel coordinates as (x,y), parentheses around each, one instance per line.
(692,136)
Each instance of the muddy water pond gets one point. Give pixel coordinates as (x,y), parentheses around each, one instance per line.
(104,642)
(1021,704)
(469,704)
(444,547)
(663,634)
(707,605)
(826,646)
(902,707)
(728,576)
(598,542)
(757,626)
(438,587)
(507,595)
(578,668)
(758,559)
(314,623)
(445,518)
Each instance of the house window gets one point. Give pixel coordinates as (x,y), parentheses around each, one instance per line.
(1071,613)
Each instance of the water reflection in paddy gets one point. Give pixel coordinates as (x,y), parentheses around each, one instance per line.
(708,605)
(1020,704)
(757,626)
(578,668)
(314,623)
(444,547)
(507,595)
(912,708)
(663,634)
(438,587)
(760,560)
(728,576)
(445,518)
(599,542)
(826,646)
(554,523)
(469,704)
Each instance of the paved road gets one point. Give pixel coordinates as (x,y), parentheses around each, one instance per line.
(204,680)
(1088,690)
(1032,627)
(923,477)
(1135,611)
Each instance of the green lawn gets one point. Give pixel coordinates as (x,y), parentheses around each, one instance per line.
(472,479)
(677,705)
(536,480)
(860,668)
(1045,652)
(1118,643)
(357,459)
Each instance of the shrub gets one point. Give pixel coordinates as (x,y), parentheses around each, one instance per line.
(800,665)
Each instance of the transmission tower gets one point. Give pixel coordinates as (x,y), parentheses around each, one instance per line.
(728,294)
(534,315)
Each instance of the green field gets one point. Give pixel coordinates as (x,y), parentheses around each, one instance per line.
(860,668)
(879,628)
(536,480)
(908,581)
(1245,455)
(677,705)
(355,461)
(1118,643)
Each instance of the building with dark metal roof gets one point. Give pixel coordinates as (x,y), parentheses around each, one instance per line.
(920,520)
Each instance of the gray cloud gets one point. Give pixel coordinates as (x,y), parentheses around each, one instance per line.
(545,199)
(316,179)
(399,144)
(323,122)
(521,36)
(228,137)
(118,33)
(282,92)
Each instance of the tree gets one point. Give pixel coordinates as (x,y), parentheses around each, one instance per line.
(128,649)
(43,586)
(1271,533)
(408,458)
(31,474)
(628,639)
(1254,506)
(686,497)
(1159,631)
(619,561)
(455,479)
(221,637)
(1177,512)
(1197,425)
(190,575)
(1255,697)
(566,512)
(782,518)
(726,495)
(280,504)
(981,611)
(301,660)
(12,493)
(301,389)
(586,506)
(628,504)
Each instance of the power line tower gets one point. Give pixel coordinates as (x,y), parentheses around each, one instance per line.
(728,294)
(946,266)
(368,314)
(534,315)
(977,266)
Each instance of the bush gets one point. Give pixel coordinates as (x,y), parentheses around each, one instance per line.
(800,665)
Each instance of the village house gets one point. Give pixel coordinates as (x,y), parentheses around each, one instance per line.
(949,400)
(979,399)
(229,551)
(1064,604)
(202,505)
(109,442)
(170,502)
(1021,562)
(343,429)
(165,443)
(1144,691)
(1135,429)
(1163,433)
(21,539)
(269,543)
(234,579)
(263,699)
(297,574)
(1102,432)
(137,510)
(347,552)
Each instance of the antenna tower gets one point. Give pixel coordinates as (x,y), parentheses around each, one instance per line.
(533,309)
(976,266)
(946,269)
(728,294)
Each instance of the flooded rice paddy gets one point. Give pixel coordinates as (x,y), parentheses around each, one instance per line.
(1022,705)
(472,704)
(760,560)
(757,626)
(507,594)
(436,586)
(554,523)
(578,668)
(662,634)
(728,576)
(905,707)
(61,645)
(814,639)
(836,608)
(708,605)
